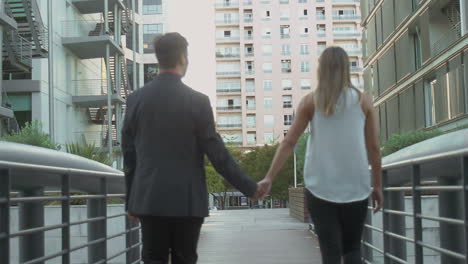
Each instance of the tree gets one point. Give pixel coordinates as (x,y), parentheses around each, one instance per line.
(215,183)
(301,147)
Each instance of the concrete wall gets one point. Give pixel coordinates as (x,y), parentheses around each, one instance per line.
(79,234)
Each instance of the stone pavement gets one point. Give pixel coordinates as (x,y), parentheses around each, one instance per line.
(258,236)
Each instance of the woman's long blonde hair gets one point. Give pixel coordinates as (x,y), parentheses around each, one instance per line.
(333,79)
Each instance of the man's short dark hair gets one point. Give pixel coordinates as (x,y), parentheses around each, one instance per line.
(169,48)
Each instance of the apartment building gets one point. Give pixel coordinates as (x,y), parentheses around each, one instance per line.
(267,53)
(90,78)
(415,56)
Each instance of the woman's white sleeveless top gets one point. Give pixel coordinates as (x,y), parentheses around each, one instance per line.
(336,165)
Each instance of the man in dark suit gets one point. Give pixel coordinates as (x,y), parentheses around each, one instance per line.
(168,128)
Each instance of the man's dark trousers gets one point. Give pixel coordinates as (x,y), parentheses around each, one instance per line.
(177,236)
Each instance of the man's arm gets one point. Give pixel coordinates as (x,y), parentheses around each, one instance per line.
(128,147)
(213,146)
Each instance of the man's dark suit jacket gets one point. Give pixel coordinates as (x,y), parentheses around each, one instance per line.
(168,128)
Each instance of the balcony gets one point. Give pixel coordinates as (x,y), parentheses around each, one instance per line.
(248,2)
(285,36)
(320,17)
(251,107)
(248,20)
(229,126)
(286,70)
(95,6)
(321,34)
(248,37)
(227,56)
(284,1)
(93,93)
(287,104)
(344,1)
(87,39)
(355,69)
(230,108)
(448,38)
(353,51)
(346,34)
(228,91)
(233,39)
(346,17)
(249,54)
(228,74)
(227,5)
(227,22)
(250,72)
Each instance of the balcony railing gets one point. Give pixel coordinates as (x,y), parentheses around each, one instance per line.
(286,70)
(251,107)
(90,87)
(341,34)
(82,28)
(423,217)
(249,54)
(287,104)
(228,39)
(346,1)
(248,19)
(249,72)
(287,123)
(228,90)
(227,22)
(227,73)
(230,55)
(225,4)
(285,36)
(21,48)
(346,17)
(321,34)
(248,2)
(356,69)
(22,185)
(452,35)
(355,51)
(239,125)
(248,37)
(320,17)
(229,108)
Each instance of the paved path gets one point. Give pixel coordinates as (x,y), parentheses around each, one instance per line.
(260,236)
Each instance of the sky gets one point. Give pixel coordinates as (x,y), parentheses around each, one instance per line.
(194,19)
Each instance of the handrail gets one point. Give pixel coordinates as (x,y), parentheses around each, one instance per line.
(413,177)
(61,180)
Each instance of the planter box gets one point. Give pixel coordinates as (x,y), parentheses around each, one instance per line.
(298,204)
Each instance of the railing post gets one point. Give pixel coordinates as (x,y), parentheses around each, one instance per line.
(464,174)
(31,215)
(66,219)
(367,252)
(98,229)
(451,206)
(132,238)
(385,217)
(5,189)
(418,234)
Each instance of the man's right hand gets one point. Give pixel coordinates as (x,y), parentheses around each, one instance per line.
(263,189)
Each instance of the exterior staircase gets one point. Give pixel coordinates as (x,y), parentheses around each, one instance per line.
(30,25)
(16,52)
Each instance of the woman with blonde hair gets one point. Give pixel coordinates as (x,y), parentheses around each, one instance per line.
(342,143)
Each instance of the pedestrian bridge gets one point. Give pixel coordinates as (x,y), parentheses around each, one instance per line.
(424,218)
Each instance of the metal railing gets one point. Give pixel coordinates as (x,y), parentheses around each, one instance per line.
(227,55)
(248,37)
(249,72)
(452,35)
(228,90)
(90,87)
(230,125)
(321,34)
(60,183)
(248,19)
(229,108)
(342,34)
(21,47)
(248,2)
(228,39)
(83,28)
(222,73)
(443,176)
(346,17)
(227,22)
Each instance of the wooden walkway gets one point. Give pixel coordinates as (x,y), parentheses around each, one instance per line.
(259,236)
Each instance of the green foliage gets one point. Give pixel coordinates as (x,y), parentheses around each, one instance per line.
(89,151)
(214,181)
(400,141)
(301,147)
(32,134)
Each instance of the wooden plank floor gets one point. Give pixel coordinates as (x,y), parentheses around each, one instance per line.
(258,236)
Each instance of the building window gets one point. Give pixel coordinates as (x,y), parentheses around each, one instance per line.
(320,13)
(267,85)
(285,132)
(430,111)
(250,86)
(268,102)
(151,70)
(151,7)
(150,31)
(305,84)
(268,121)
(288,120)
(267,33)
(287,101)
(285,31)
(305,66)
(285,50)
(284,14)
(268,138)
(305,49)
(267,67)
(267,50)
(305,12)
(227,33)
(129,39)
(251,121)
(286,84)
(251,138)
(285,66)
(250,101)
(302,1)
(305,30)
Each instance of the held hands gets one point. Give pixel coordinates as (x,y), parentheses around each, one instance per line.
(263,189)
(377,199)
